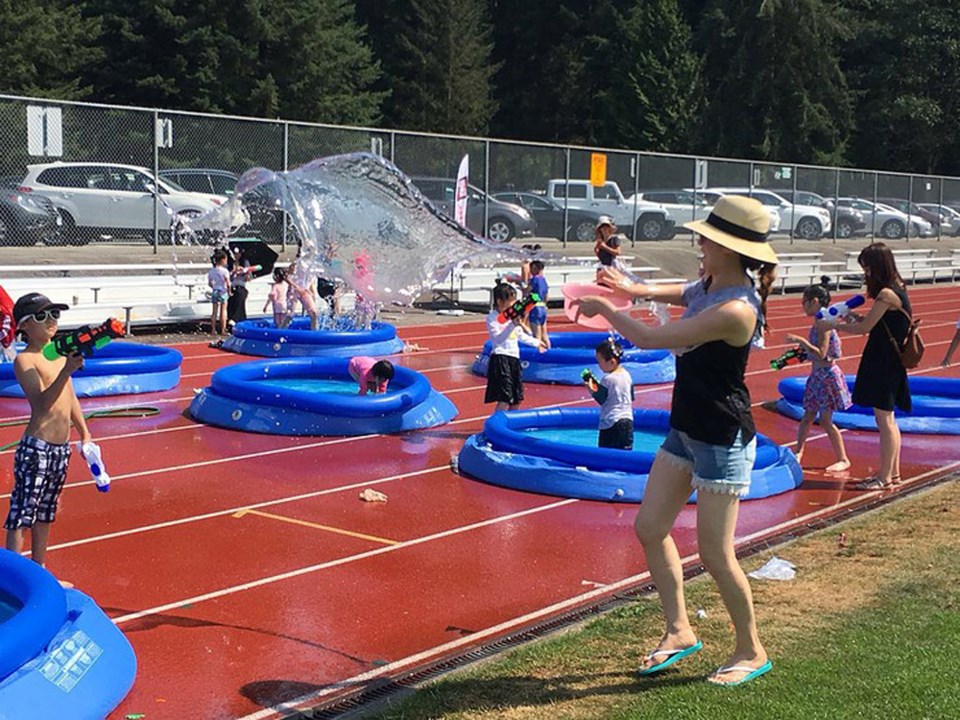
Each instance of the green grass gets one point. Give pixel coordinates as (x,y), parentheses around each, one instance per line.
(895,657)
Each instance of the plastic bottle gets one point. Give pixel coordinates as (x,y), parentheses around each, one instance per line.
(90,452)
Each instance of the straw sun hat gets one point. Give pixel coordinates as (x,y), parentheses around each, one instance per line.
(740,224)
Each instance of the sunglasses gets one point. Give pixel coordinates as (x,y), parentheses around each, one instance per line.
(41,317)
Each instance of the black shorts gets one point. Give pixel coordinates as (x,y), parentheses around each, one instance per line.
(503,380)
(618,436)
(39,471)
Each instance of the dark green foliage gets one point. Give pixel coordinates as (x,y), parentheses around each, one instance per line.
(46,48)
(773,85)
(905,63)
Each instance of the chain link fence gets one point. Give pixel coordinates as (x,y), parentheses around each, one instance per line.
(81,174)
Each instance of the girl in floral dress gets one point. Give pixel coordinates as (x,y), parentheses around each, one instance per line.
(826,389)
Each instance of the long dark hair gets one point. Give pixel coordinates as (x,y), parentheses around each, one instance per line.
(883,268)
(766,274)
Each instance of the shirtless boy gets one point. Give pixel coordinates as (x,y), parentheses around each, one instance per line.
(40,463)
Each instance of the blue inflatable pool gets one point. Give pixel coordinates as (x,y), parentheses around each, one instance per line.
(936,406)
(264,339)
(316,396)
(571,352)
(554,452)
(60,655)
(119,368)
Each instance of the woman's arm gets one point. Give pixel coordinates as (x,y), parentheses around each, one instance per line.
(884,301)
(671,294)
(733,322)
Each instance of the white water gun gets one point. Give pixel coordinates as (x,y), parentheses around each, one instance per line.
(840,310)
(90,452)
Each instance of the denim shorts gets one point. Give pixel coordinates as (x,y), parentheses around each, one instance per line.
(716,468)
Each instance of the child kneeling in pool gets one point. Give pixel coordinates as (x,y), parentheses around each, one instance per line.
(614,392)
(372,375)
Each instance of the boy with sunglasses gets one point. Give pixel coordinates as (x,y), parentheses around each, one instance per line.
(40,463)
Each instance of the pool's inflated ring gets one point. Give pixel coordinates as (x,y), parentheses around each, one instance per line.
(936,406)
(118,368)
(263,338)
(503,454)
(60,655)
(571,352)
(246,397)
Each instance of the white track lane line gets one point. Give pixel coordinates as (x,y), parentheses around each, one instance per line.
(357,681)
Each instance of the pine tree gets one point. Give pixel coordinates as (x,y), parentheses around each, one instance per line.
(657,99)
(46,47)
(439,55)
(773,83)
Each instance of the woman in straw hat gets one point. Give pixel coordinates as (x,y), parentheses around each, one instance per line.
(711,445)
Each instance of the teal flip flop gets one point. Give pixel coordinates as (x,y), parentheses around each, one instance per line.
(754,673)
(670,657)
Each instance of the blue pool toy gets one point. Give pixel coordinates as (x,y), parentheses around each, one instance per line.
(60,655)
(936,406)
(120,368)
(264,339)
(316,396)
(571,352)
(554,452)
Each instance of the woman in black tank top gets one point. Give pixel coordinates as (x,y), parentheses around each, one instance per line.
(711,442)
(881,378)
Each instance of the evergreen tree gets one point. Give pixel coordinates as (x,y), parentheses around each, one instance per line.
(318,57)
(46,47)
(904,64)
(773,83)
(657,99)
(439,55)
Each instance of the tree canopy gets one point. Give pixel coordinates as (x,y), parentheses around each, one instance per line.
(871,83)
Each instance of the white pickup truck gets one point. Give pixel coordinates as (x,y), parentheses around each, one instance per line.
(652,221)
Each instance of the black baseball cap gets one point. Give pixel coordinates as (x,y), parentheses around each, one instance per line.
(33,303)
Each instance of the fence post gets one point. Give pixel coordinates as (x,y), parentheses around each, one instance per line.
(156,188)
(286,166)
(876,185)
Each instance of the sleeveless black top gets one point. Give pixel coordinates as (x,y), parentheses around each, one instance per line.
(881,378)
(711,402)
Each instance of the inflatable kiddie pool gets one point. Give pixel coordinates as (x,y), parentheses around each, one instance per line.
(118,368)
(571,352)
(60,655)
(316,396)
(554,452)
(264,339)
(936,406)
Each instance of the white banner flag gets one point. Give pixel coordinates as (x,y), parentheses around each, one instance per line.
(460,208)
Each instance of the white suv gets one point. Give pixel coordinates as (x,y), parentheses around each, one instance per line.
(110,199)
(805,221)
(653,222)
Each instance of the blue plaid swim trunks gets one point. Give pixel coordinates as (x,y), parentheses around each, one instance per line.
(39,471)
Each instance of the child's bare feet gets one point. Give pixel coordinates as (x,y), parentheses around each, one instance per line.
(65,584)
(839,466)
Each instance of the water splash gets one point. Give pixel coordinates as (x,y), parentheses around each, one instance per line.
(360,220)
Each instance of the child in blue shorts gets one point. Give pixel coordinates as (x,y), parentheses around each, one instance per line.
(538,314)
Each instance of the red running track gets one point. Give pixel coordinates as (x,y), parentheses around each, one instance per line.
(249,576)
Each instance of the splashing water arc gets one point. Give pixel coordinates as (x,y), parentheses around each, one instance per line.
(362,221)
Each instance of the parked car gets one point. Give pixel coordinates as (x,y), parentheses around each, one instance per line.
(26,219)
(912,208)
(111,199)
(210,181)
(846,221)
(652,221)
(949,217)
(711,196)
(888,222)
(505,221)
(804,221)
(682,206)
(549,216)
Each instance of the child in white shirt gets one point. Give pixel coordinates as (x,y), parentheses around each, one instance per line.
(504,386)
(219,281)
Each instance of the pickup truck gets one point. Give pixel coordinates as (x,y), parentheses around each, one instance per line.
(652,221)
